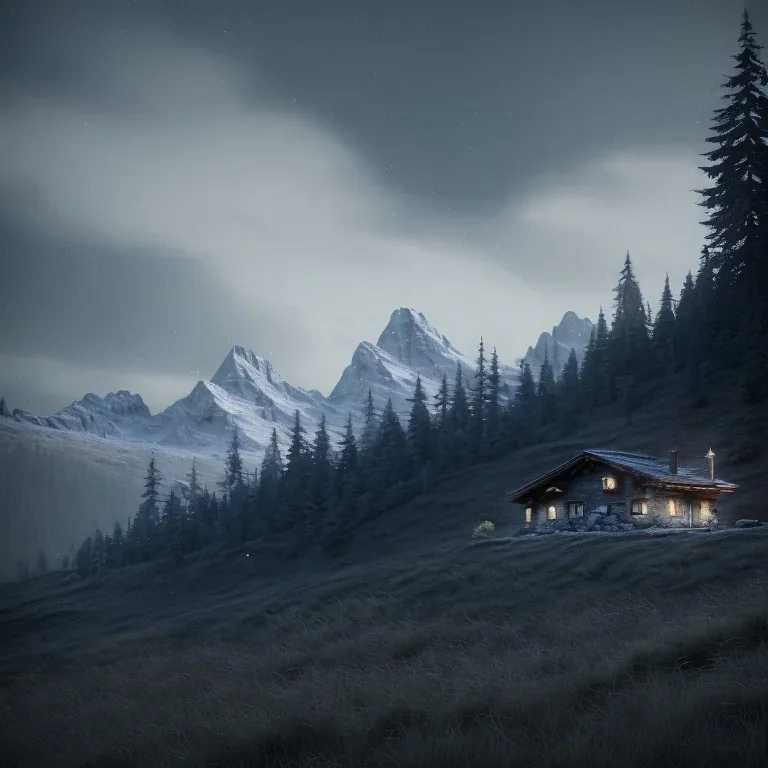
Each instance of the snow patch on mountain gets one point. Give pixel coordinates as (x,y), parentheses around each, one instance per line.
(247,393)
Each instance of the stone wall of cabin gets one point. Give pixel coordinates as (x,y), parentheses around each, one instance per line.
(588,488)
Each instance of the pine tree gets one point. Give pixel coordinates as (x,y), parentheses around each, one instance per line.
(370,428)
(664,327)
(569,391)
(391,450)
(420,426)
(478,408)
(684,327)
(629,343)
(147,517)
(194,484)
(269,484)
(493,402)
(458,420)
(172,526)
(234,464)
(346,463)
(320,483)
(441,404)
(545,391)
(525,410)
(737,203)
(297,475)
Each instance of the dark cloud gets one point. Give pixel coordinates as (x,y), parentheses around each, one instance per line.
(99,306)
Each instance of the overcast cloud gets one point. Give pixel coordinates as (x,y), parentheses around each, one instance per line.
(163,198)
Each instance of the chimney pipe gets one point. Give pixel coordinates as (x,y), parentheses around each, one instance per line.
(673,462)
(711,462)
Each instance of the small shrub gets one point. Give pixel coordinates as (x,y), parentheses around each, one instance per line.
(484,530)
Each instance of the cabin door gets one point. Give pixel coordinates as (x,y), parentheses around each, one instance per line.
(688,511)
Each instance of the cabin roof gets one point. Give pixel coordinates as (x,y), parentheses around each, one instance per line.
(644,466)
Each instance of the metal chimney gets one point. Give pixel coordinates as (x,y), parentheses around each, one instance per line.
(711,462)
(673,462)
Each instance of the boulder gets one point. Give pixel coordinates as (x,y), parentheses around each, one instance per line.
(592,521)
(748,523)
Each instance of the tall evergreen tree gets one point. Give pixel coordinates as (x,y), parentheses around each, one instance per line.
(441,404)
(320,490)
(420,426)
(525,411)
(664,327)
(545,392)
(569,391)
(478,407)
(629,342)
(737,202)
(684,321)
(172,525)
(297,472)
(234,464)
(458,420)
(147,517)
(269,484)
(346,463)
(370,426)
(194,484)
(493,399)
(391,450)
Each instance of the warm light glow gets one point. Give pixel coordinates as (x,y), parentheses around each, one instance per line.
(640,507)
(528,514)
(706,510)
(552,512)
(609,483)
(672,506)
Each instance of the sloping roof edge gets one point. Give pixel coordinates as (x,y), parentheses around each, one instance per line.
(601,456)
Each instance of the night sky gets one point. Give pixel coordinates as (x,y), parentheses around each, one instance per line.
(178,177)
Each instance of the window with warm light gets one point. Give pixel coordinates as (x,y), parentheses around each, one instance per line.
(672,507)
(528,514)
(640,507)
(551,512)
(575,509)
(609,483)
(706,509)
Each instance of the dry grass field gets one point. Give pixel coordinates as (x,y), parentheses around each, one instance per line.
(417,646)
(591,650)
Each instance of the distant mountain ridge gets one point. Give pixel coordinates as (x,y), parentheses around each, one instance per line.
(572,332)
(248,393)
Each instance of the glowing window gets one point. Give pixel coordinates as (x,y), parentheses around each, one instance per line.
(640,507)
(672,507)
(528,514)
(706,510)
(551,512)
(609,483)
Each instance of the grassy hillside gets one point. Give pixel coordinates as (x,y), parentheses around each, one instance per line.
(417,647)
(564,650)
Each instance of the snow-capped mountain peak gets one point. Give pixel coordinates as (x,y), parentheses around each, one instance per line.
(412,340)
(244,373)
